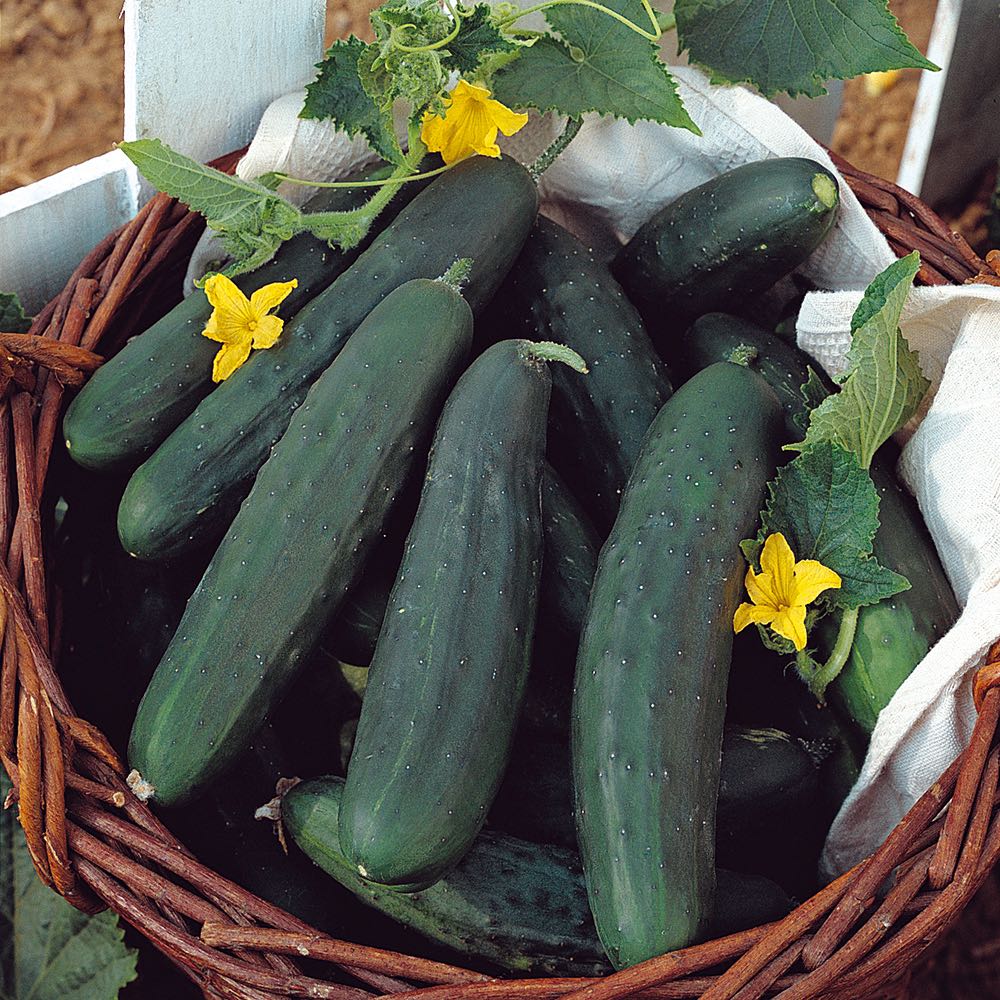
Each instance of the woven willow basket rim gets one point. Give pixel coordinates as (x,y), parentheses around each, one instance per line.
(95,843)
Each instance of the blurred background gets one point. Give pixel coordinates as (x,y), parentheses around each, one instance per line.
(61,64)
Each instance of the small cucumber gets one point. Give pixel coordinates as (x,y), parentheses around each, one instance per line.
(726,241)
(557,290)
(317,507)
(651,673)
(445,687)
(133,402)
(190,488)
(893,636)
(518,906)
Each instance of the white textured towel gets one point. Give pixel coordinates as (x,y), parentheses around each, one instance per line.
(607,183)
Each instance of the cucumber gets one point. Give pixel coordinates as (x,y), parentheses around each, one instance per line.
(558,290)
(768,785)
(651,673)
(445,687)
(133,402)
(892,636)
(568,567)
(190,488)
(725,241)
(519,906)
(294,549)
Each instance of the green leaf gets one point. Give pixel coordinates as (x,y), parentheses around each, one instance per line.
(600,65)
(826,506)
(478,38)
(48,949)
(883,385)
(252,220)
(12,316)
(337,93)
(813,391)
(793,45)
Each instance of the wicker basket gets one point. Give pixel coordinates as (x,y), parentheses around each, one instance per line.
(96,844)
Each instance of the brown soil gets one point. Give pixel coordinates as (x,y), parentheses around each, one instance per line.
(871,129)
(61,92)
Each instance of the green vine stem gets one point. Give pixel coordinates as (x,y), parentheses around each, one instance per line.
(431,46)
(393,178)
(548,156)
(548,350)
(819,678)
(653,36)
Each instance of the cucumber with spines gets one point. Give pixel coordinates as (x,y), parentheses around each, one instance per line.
(518,906)
(446,683)
(725,241)
(558,290)
(134,401)
(316,509)
(649,702)
(190,488)
(893,636)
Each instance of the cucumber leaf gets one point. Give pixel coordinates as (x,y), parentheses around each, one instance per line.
(598,65)
(337,94)
(48,949)
(883,385)
(479,37)
(793,45)
(12,315)
(252,220)
(826,506)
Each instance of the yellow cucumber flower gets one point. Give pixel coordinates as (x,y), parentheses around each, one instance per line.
(470,124)
(239,323)
(782,589)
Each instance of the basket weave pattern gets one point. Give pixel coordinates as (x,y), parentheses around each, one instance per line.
(92,841)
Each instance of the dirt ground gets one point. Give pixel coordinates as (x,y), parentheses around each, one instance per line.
(61,68)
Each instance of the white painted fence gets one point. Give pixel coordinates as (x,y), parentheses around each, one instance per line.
(198,75)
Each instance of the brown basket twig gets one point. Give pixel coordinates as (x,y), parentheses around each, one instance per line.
(92,841)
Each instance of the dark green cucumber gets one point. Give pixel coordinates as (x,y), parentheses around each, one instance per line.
(445,687)
(519,906)
(725,241)
(316,509)
(768,784)
(135,400)
(190,488)
(571,545)
(559,291)
(893,636)
(651,673)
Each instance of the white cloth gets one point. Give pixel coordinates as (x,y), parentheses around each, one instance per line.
(604,186)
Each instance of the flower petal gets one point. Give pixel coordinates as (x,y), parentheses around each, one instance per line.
(760,588)
(267,298)
(506,120)
(811,579)
(778,560)
(229,358)
(267,332)
(226,297)
(747,614)
(226,329)
(791,623)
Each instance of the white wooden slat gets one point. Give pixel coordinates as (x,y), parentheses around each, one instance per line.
(46,228)
(199,74)
(965,122)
